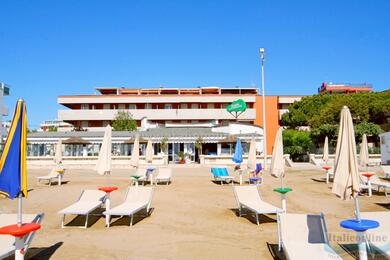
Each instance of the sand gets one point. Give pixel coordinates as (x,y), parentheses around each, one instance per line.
(193,218)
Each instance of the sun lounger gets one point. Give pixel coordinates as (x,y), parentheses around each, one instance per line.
(222,175)
(7,242)
(140,176)
(375,181)
(379,237)
(248,197)
(52,176)
(305,237)
(88,201)
(164,175)
(386,170)
(136,199)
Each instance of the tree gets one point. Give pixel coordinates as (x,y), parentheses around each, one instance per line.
(164,144)
(296,143)
(198,144)
(370,129)
(124,121)
(52,129)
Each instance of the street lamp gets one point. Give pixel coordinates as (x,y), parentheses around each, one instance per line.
(263,97)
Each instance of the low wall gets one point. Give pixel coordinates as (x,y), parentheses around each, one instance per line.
(316,159)
(88,162)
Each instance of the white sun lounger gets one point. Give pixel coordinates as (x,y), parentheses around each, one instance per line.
(305,237)
(7,242)
(141,173)
(88,201)
(164,175)
(137,198)
(52,176)
(375,181)
(379,237)
(386,170)
(248,197)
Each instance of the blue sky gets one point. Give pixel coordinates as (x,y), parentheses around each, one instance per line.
(51,48)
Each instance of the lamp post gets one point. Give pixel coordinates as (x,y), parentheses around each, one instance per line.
(263,98)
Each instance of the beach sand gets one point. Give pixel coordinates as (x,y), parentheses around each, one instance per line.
(193,218)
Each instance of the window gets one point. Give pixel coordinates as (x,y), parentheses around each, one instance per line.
(132,106)
(168,106)
(195,106)
(84,106)
(148,106)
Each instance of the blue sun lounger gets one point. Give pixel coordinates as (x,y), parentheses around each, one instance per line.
(222,175)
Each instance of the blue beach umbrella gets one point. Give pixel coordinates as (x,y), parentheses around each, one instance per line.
(237,157)
(13,175)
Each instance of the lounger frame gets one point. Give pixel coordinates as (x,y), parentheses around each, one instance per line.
(131,215)
(86,215)
(28,238)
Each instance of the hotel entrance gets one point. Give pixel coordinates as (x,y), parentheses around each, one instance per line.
(175,148)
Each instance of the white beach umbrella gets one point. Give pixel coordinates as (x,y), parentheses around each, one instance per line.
(252,155)
(364,152)
(135,153)
(346,172)
(149,152)
(58,154)
(103,165)
(325,156)
(277,166)
(277,163)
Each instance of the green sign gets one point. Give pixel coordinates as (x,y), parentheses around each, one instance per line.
(237,106)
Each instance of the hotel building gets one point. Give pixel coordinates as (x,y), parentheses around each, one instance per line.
(344,88)
(179,115)
(173,108)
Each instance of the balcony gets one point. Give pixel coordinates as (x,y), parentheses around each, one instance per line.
(155,114)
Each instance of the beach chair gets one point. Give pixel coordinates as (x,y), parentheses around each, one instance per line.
(164,175)
(248,198)
(88,201)
(7,242)
(222,175)
(379,238)
(376,181)
(136,199)
(304,237)
(140,176)
(386,170)
(54,175)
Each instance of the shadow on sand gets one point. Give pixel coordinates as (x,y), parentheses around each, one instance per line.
(125,220)
(43,253)
(275,253)
(79,220)
(252,218)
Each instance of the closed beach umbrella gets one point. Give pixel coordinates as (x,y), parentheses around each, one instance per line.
(149,152)
(237,157)
(325,157)
(277,164)
(135,153)
(364,152)
(58,155)
(13,172)
(103,165)
(252,155)
(346,171)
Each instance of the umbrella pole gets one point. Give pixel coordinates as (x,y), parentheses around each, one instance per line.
(19,244)
(283,195)
(360,235)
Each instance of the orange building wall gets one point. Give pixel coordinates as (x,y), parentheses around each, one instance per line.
(272,118)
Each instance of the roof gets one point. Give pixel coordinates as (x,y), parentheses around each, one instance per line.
(150,133)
